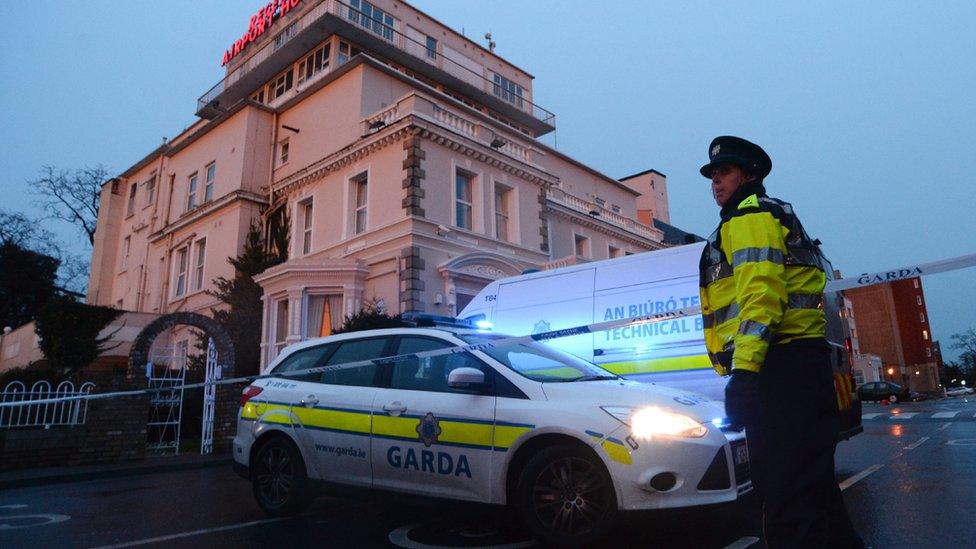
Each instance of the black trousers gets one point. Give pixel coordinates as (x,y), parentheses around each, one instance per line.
(792,450)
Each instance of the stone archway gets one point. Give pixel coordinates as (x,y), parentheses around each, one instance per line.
(226,405)
(465,275)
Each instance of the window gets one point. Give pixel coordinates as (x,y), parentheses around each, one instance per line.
(280,85)
(615,208)
(208,189)
(131,205)
(371,18)
(615,252)
(151,190)
(502,199)
(323,315)
(280,325)
(181,264)
(918,298)
(601,202)
(928,352)
(125,251)
(259,96)
(191,193)
(431,48)
(431,373)
(346,52)
(915,282)
(508,90)
(462,199)
(925,335)
(352,351)
(283,152)
(199,256)
(582,245)
(306,212)
(921,317)
(285,35)
(305,359)
(359,184)
(315,63)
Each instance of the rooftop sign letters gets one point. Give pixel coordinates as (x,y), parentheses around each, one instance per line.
(259,23)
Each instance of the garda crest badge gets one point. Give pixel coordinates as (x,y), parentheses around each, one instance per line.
(716,149)
(540,327)
(429,429)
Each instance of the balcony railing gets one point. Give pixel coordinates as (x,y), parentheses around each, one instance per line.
(389,34)
(596,211)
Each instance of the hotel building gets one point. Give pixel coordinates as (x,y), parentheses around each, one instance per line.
(404,155)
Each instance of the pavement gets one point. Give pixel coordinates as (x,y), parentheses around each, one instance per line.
(56,475)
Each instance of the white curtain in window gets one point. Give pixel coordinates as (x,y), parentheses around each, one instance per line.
(335,312)
(314,316)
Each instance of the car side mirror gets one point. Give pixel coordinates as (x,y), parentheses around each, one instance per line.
(466,378)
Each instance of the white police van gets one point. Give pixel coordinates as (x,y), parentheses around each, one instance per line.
(564,442)
(671,352)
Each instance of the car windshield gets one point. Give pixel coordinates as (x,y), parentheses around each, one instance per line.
(539,362)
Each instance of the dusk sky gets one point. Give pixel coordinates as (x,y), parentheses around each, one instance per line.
(866,108)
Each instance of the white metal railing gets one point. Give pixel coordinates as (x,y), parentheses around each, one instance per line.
(593,209)
(72,412)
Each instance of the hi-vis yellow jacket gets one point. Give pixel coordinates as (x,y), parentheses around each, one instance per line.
(761,282)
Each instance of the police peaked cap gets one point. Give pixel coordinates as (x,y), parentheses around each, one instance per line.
(726,149)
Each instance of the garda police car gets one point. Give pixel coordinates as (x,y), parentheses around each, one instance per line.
(564,442)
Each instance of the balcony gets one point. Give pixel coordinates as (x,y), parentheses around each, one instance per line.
(595,211)
(336,17)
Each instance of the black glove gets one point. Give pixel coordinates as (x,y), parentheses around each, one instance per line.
(743,402)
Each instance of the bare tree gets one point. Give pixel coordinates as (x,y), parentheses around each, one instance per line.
(19,230)
(71,195)
(966,342)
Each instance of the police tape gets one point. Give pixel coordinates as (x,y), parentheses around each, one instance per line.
(865,279)
(901,273)
(498,342)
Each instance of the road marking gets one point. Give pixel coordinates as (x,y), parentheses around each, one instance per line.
(914,445)
(946,426)
(194,533)
(906,415)
(14,506)
(944,415)
(850,482)
(400,538)
(30,521)
(742,543)
(962,442)
(870,416)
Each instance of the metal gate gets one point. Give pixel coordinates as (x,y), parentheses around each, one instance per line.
(209,398)
(166,368)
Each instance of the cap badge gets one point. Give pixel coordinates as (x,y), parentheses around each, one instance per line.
(716,149)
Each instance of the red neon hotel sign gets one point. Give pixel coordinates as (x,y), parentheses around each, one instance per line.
(259,23)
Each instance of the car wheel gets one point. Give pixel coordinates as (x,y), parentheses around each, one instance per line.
(279,479)
(893,399)
(565,497)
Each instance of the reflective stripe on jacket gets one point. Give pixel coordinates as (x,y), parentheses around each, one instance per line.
(761,282)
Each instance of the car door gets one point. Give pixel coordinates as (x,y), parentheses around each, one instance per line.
(429,438)
(333,409)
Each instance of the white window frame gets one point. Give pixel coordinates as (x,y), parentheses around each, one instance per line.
(307,210)
(208,189)
(199,263)
(150,191)
(511,215)
(431,51)
(284,147)
(315,63)
(507,90)
(918,299)
(275,345)
(457,201)
(360,211)
(192,183)
(126,244)
(362,14)
(130,206)
(180,268)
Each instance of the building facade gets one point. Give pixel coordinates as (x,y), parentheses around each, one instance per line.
(404,155)
(893,324)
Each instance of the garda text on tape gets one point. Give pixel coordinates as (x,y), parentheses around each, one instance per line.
(901,273)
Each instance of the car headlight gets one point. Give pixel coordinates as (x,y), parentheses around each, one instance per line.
(649,421)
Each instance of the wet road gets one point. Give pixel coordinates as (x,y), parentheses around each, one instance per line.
(909,481)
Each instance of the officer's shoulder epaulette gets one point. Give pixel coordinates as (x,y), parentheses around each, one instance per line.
(752,201)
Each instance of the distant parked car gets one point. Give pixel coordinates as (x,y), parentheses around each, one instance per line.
(883,390)
(959,391)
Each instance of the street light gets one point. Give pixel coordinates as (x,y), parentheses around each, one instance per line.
(891,371)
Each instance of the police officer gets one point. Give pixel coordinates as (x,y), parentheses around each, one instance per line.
(761,282)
